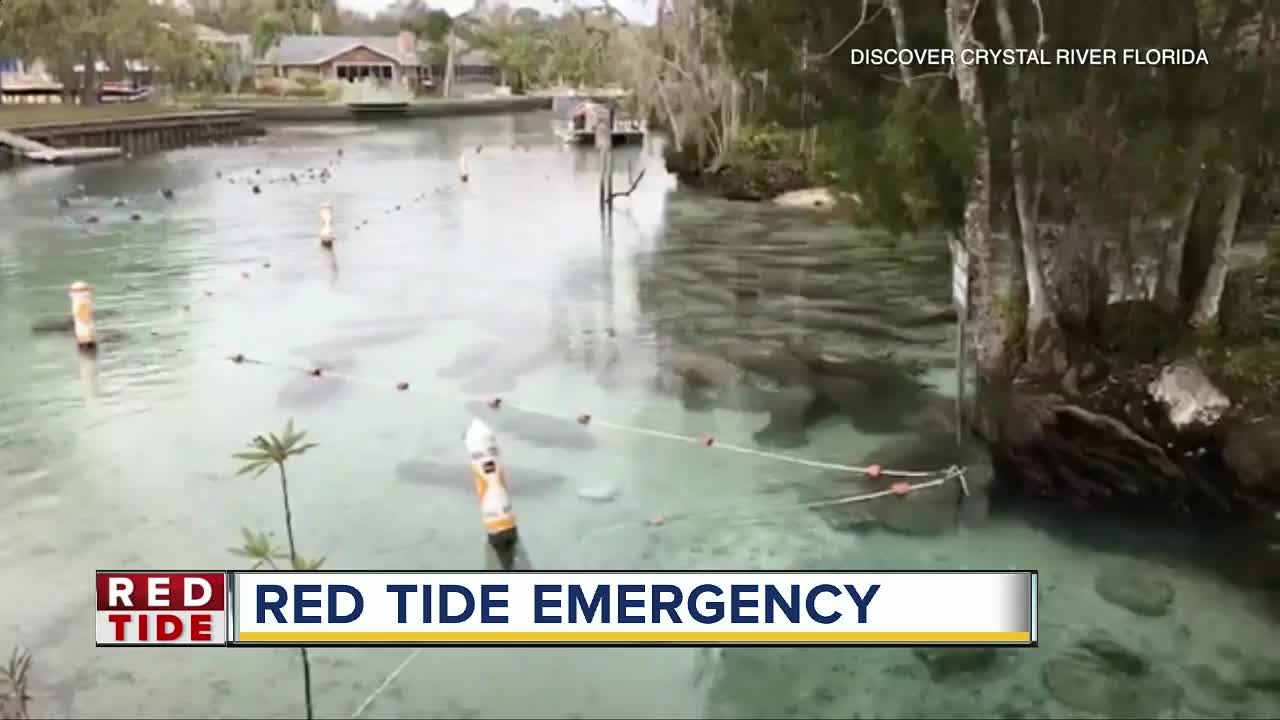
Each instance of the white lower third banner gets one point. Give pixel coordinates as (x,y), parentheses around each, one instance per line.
(632,608)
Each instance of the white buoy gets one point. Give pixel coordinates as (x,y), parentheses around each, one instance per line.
(491,485)
(326,225)
(82,314)
(462,167)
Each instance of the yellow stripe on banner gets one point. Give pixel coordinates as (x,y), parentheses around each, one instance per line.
(634,637)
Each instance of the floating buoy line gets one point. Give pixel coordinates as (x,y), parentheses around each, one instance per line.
(497,403)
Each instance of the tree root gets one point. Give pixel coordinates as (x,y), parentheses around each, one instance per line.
(1061,449)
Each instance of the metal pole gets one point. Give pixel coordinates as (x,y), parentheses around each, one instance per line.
(960,295)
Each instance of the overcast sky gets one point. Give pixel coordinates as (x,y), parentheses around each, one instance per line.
(641,10)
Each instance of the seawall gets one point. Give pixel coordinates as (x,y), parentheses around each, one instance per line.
(317,112)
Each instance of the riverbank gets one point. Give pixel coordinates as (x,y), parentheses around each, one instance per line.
(1159,419)
(301,111)
(13,117)
(746,176)
(135,133)
(147,127)
(764,164)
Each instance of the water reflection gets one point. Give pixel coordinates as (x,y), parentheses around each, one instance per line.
(89,375)
(331,261)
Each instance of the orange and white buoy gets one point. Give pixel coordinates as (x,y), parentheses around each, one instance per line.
(491,485)
(326,225)
(82,315)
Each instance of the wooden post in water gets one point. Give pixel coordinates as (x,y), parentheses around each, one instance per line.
(604,141)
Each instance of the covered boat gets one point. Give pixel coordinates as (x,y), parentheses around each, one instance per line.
(585,116)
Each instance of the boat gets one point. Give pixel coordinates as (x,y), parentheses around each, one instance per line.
(585,116)
(123,93)
(387,108)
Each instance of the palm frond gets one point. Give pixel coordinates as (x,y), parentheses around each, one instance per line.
(301,563)
(257,546)
(13,684)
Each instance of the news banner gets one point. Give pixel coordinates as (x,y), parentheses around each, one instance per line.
(422,609)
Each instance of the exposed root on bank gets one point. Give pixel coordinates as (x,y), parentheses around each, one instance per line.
(1110,447)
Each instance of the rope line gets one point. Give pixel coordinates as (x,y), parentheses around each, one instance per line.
(386,682)
(497,403)
(954,472)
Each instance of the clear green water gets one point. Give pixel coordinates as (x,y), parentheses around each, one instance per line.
(123,461)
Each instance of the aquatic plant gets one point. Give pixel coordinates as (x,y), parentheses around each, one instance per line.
(264,453)
(13,686)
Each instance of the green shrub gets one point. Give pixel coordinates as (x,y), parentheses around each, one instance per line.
(307,81)
(306,86)
(271,86)
(766,142)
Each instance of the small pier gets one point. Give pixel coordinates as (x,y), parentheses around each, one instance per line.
(34,151)
(112,137)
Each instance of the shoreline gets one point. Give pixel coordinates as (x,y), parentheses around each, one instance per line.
(159,127)
(333,112)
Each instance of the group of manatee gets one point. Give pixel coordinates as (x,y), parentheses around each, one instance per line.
(799,326)
(768,327)
(800,323)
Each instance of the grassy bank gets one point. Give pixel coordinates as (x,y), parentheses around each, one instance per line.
(24,115)
(764,163)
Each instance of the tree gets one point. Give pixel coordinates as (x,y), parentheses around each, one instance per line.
(65,33)
(267,31)
(519,42)
(435,26)
(183,61)
(264,453)
(989,331)
(1082,161)
(688,78)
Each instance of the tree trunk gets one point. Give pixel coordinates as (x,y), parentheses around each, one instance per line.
(448,65)
(1040,317)
(900,38)
(306,683)
(293,564)
(1206,307)
(67,78)
(988,330)
(89,79)
(1168,293)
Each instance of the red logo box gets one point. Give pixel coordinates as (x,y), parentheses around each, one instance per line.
(161,608)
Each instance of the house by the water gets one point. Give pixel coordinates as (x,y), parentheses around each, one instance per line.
(389,59)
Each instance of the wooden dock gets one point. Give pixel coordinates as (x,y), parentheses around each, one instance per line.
(135,134)
(34,151)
